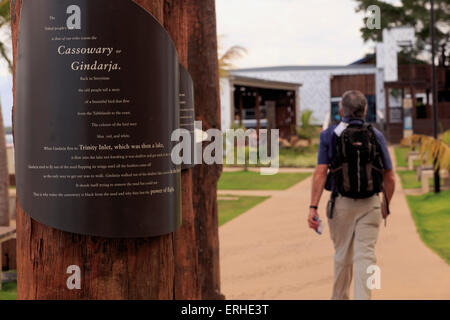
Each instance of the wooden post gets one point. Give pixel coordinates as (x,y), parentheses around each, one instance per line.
(387,113)
(414,104)
(186,260)
(292,115)
(258,113)
(110,268)
(203,67)
(294,105)
(241,107)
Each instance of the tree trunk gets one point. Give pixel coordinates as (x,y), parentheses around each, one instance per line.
(110,268)
(186,262)
(4,178)
(203,67)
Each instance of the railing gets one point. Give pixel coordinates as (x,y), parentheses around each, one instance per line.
(444,110)
(421,73)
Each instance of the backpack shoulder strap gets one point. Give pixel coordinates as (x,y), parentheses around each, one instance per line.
(339,147)
(373,135)
(377,148)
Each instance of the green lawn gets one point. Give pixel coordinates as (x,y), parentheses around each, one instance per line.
(230,209)
(299,157)
(9,291)
(409,180)
(247,180)
(432,216)
(400,156)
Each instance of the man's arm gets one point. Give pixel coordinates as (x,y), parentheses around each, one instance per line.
(389,187)
(389,183)
(388,174)
(318,184)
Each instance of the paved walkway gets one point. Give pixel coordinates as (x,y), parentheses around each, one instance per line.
(269,253)
(280,170)
(251,193)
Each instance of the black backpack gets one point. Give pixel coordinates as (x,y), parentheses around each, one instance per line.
(357,168)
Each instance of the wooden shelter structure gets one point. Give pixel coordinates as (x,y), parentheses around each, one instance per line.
(415,83)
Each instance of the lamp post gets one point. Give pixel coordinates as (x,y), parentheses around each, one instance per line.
(437,183)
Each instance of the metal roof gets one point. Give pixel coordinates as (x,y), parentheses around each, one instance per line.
(263,83)
(303,68)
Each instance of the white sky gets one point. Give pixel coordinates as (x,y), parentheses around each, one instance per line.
(6,98)
(275,32)
(292,32)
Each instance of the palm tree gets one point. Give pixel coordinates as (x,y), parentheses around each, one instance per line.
(5,19)
(306,130)
(228,57)
(431,149)
(307,117)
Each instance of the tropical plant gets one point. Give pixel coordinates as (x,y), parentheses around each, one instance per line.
(446,137)
(306,118)
(5,19)
(415,13)
(226,60)
(306,130)
(431,150)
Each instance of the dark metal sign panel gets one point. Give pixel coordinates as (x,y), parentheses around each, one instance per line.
(187,111)
(97,99)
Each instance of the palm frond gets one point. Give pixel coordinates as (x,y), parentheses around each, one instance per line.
(5,56)
(430,150)
(5,19)
(226,60)
(5,16)
(306,118)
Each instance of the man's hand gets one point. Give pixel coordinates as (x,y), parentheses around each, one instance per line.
(313,224)
(384,206)
(319,179)
(384,213)
(389,187)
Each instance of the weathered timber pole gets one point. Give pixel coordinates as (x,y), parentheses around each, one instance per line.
(185,246)
(203,67)
(4,180)
(110,268)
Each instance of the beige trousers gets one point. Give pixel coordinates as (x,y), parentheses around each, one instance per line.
(354,231)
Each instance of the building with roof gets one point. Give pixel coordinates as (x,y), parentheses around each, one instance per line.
(399,96)
(274,97)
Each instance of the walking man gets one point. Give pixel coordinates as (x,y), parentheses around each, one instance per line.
(354,164)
